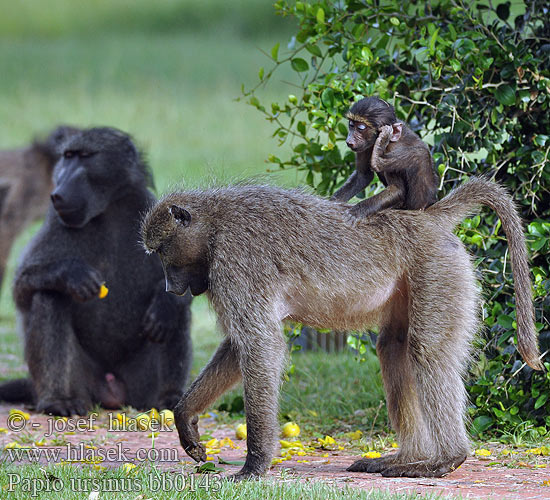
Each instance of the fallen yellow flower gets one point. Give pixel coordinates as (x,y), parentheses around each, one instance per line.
(213,443)
(3,430)
(354,436)
(482,452)
(20,413)
(546,483)
(290,444)
(127,467)
(154,414)
(142,421)
(103,291)
(394,445)
(327,441)
(12,445)
(371,454)
(240,432)
(167,417)
(228,442)
(121,417)
(291,429)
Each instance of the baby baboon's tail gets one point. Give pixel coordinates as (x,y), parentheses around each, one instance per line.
(461,202)
(17,391)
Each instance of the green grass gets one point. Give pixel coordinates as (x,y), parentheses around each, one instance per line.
(77,483)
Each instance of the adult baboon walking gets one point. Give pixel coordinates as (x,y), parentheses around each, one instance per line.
(132,347)
(264,254)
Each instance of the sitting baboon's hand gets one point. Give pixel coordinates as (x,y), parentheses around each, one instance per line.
(161,318)
(188,431)
(83,283)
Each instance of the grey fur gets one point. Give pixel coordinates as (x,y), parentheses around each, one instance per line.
(268,254)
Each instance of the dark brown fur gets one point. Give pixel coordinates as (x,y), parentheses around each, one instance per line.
(132,347)
(25,185)
(267,254)
(386,146)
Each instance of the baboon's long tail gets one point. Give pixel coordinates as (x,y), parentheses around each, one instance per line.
(17,391)
(461,202)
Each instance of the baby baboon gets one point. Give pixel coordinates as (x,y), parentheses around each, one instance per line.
(130,348)
(387,146)
(264,254)
(25,186)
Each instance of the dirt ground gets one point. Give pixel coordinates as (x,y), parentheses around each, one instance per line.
(99,442)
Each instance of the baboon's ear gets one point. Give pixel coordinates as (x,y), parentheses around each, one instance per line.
(181,215)
(396,132)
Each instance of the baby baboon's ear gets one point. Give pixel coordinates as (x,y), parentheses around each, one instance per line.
(182,216)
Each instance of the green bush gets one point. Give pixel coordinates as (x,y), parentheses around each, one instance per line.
(473,79)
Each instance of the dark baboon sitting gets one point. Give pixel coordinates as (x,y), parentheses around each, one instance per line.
(25,186)
(130,348)
(387,146)
(264,254)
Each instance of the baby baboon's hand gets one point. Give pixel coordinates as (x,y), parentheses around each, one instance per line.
(83,283)
(188,431)
(382,141)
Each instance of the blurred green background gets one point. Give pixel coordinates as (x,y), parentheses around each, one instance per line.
(168,72)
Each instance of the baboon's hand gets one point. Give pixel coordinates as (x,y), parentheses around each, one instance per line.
(188,431)
(83,282)
(382,141)
(160,322)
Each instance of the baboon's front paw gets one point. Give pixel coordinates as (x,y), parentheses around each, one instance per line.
(188,431)
(424,469)
(62,407)
(372,464)
(85,284)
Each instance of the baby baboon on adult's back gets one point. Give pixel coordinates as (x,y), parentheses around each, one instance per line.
(130,348)
(264,254)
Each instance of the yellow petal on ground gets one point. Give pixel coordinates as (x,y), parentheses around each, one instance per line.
(103,291)
(303,461)
(371,454)
(20,413)
(482,452)
(240,432)
(121,417)
(354,436)
(394,445)
(127,467)
(167,417)
(326,441)
(40,442)
(275,461)
(3,430)
(291,429)
(534,451)
(539,466)
(12,445)
(142,421)
(228,442)
(546,483)
(152,435)
(213,443)
(154,414)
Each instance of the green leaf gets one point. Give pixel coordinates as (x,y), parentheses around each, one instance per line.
(230,462)
(395,21)
(275,51)
(481,424)
(505,321)
(314,49)
(320,15)
(327,98)
(298,64)
(506,95)
(261,73)
(541,400)
(208,468)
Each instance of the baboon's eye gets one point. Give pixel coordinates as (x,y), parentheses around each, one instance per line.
(361,126)
(68,154)
(85,154)
(351,124)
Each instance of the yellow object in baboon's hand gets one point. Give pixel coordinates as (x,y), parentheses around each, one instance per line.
(103,291)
